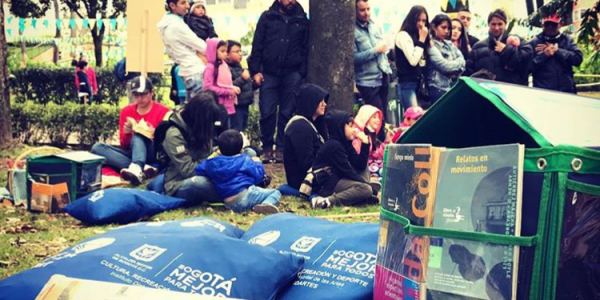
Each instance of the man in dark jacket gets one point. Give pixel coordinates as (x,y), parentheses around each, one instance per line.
(464,15)
(241,78)
(278,63)
(508,63)
(555,56)
(305,133)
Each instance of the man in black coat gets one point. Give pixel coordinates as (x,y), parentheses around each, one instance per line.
(278,64)
(555,56)
(509,63)
(464,15)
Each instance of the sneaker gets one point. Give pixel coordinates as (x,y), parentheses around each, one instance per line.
(133,174)
(265,209)
(267,156)
(278,156)
(376,186)
(150,172)
(320,202)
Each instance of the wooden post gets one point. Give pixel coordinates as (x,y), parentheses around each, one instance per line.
(144,44)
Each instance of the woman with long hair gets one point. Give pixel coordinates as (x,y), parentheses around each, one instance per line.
(460,38)
(446,62)
(187,144)
(411,57)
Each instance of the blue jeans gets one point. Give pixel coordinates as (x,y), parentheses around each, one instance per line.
(193,85)
(239,121)
(254,195)
(277,91)
(435,94)
(141,153)
(198,189)
(407,93)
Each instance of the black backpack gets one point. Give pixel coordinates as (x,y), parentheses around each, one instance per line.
(159,137)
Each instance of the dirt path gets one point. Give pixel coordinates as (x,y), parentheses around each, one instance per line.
(47,56)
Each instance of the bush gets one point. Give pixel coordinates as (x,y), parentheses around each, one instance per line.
(43,85)
(35,123)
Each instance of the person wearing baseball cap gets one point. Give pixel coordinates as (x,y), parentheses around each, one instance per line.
(137,122)
(555,56)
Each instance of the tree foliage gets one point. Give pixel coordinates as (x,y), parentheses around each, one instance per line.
(29,8)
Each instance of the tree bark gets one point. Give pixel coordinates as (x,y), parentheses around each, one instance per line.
(97,38)
(55,56)
(331,50)
(5,120)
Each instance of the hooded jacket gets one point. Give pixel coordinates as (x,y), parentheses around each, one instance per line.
(301,141)
(511,65)
(183,158)
(280,44)
(556,72)
(202,26)
(338,154)
(182,44)
(365,113)
(210,82)
(231,174)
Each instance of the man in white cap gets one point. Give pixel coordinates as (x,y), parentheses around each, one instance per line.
(183,46)
(137,122)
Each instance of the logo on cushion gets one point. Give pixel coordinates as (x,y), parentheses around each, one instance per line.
(305,244)
(202,223)
(265,239)
(147,253)
(97,196)
(78,249)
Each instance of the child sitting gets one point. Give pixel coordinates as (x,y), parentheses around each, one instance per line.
(411,115)
(199,22)
(369,120)
(236,176)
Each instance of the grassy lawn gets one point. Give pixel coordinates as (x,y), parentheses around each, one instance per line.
(28,238)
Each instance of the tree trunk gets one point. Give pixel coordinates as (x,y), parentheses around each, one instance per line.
(23,50)
(5,120)
(331,50)
(55,56)
(97,37)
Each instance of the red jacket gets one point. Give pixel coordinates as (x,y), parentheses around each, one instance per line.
(153,117)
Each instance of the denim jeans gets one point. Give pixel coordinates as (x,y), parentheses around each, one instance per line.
(254,195)
(277,91)
(435,94)
(198,189)
(407,93)
(193,85)
(141,153)
(239,121)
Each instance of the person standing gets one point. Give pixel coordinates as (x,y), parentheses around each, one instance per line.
(241,79)
(278,64)
(464,15)
(371,67)
(508,63)
(555,56)
(183,46)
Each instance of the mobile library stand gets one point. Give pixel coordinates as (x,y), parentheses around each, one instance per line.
(559,242)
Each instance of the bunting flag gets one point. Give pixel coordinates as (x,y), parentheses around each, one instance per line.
(124,22)
(453,4)
(99,24)
(72,24)
(34,23)
(46,23)
(244,20)
(9,31)
(21,25)
(58,24)
(9,20)
(113,24)
(386,27)
(85,24)
(376,10)
(227,20)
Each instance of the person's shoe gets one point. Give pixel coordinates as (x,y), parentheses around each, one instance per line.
(265,209)
(278,156)
(267,157)
(320,202)
(150,171)
(376,186)
(133,174)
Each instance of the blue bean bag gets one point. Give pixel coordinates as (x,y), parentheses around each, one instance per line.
(180,227)
(202,261)
(120,206)
(339,258)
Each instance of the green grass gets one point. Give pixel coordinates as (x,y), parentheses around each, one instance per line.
(28,238)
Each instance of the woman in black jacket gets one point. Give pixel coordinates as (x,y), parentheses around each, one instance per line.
(340,183)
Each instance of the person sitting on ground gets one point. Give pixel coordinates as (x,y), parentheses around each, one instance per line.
(199,22)
(241,79)
(236,177)
(136,128)
(336,180)
(410,117)
(369,120)
(305,133)
(187,147)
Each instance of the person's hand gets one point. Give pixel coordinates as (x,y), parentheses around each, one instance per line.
(245,75)
(381,48)
(362,136)
(258,79)
(390,135)
(127,127)
(541,47)
(423,32)
(235,91)
(550,50)
(499,46)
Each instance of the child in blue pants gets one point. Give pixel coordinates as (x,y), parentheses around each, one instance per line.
(236,176)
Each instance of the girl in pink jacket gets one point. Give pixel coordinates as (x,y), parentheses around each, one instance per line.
(217,75)
(369,120)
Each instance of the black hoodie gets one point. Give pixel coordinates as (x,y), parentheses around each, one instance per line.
(301,141)
(202,26)
(339,154)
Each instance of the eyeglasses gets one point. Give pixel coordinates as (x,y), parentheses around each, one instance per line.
(238,51)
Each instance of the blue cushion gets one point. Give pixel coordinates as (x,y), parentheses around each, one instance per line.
(120,206)
(180,227)
(339,258)
(199,261)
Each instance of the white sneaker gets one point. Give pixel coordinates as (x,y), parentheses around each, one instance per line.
(265,209)
(133,174)
(320,202)
(150,171)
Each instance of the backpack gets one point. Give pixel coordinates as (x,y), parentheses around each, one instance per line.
(160,134)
